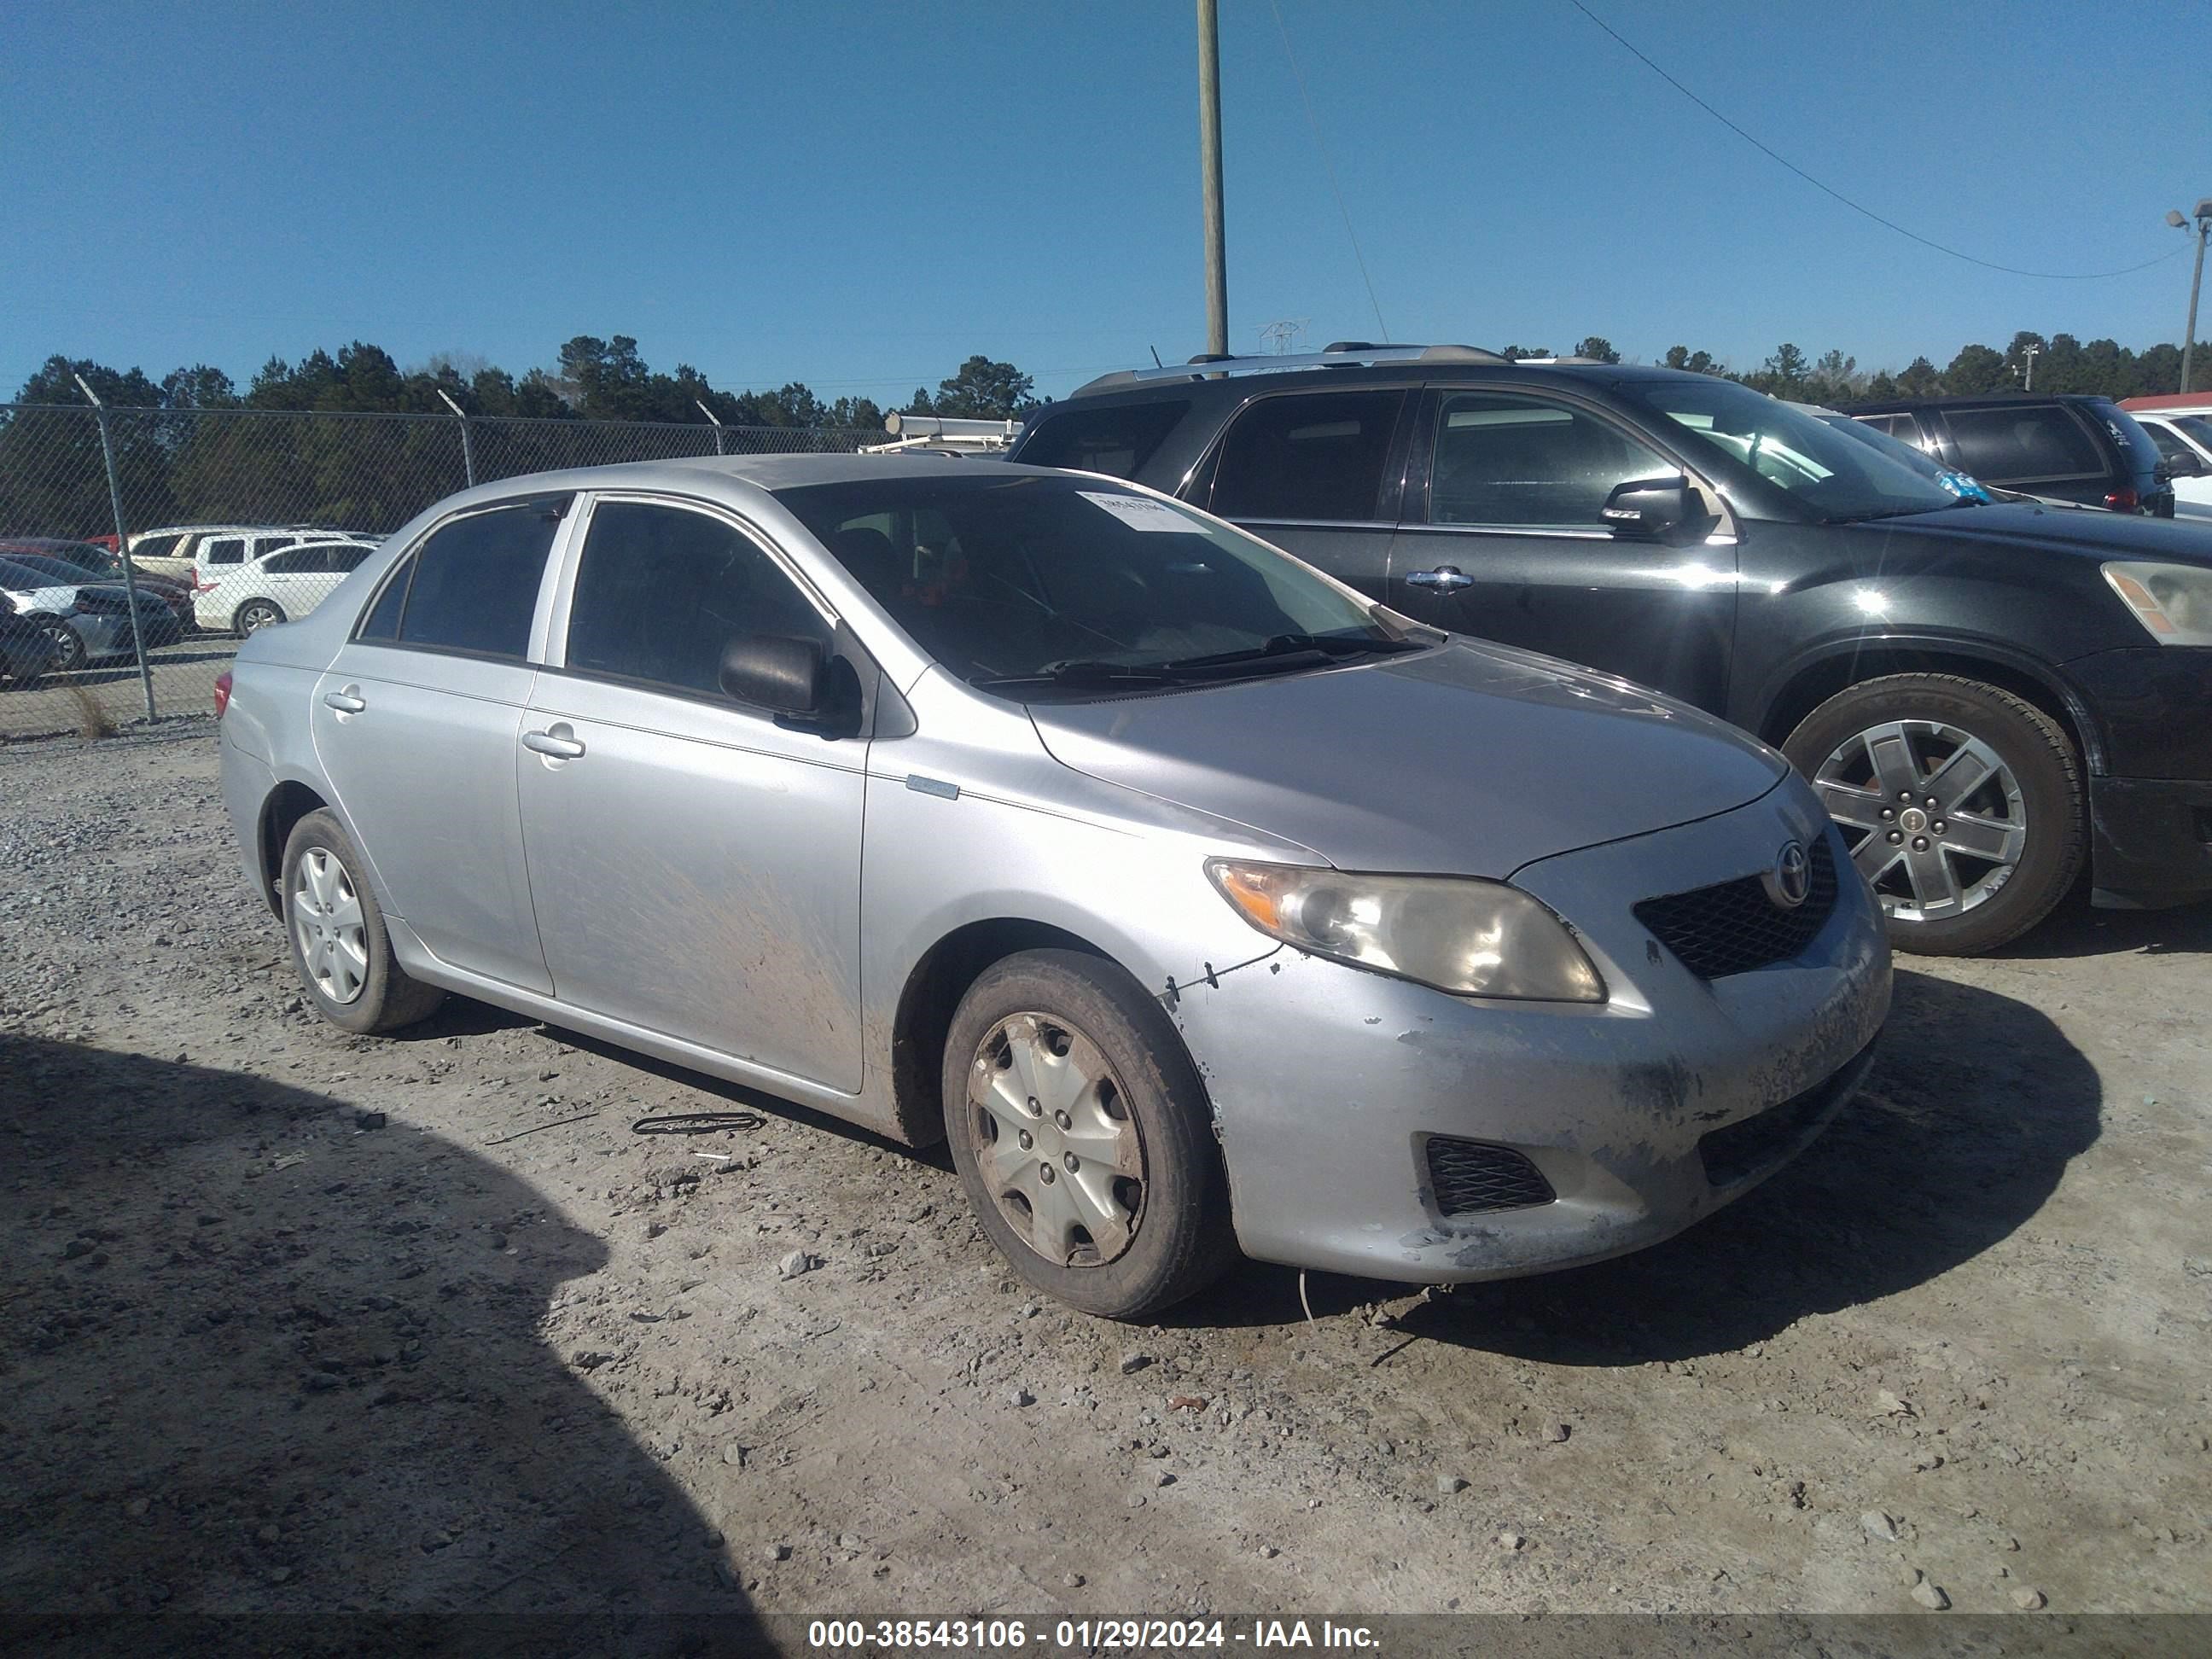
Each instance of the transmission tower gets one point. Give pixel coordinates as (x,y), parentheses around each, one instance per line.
(1282,336)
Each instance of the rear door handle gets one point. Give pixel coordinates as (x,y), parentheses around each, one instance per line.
(560,742)
(348,702)
(1446,577)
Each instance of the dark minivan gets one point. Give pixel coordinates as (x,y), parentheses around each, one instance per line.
(2069,446)
(1984,694)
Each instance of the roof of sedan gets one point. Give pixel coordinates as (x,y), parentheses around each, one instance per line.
(774,472)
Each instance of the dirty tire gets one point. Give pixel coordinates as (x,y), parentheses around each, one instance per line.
(387,999)
(1182,1239)
(2053,794)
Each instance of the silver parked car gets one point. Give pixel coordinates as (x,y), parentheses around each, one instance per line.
(1204,904)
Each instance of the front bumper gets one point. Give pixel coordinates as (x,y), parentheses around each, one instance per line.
(2150,819)
(2151,842)
(1330,1083)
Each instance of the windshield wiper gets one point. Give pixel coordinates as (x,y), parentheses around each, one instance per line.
(1077,672)
(1292,650)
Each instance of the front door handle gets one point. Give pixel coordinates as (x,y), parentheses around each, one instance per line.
(348,702)
(1445,578)
(559,741)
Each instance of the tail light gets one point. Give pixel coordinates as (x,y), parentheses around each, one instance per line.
(222,693)
(200,583)
(2124,500)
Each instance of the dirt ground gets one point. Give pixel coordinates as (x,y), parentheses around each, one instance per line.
(295,1321)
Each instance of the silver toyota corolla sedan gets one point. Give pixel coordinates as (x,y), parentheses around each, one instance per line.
(1203,904)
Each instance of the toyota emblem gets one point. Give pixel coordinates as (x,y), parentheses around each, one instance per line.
(1793,876)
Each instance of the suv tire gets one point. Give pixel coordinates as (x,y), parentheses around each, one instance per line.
(1102,1120)
(339,945)
(1897,760)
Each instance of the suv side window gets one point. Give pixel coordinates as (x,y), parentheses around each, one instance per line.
(2034,440)
(224,550)
(472,586)
(1525,463)
(1307,455)
(292,561)
(1116,440)
(661,591)
(156,547)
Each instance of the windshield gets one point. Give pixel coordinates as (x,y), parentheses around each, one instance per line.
(1060,585)
(1834,477)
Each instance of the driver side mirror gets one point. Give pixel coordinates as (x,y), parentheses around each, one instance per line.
(1652,507)
(2184,464)
(792,680)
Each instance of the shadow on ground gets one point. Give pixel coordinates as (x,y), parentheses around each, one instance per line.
(2076,929)
(257,1357)
(1975,1107)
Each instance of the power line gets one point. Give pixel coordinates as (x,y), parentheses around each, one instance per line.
(1329,167)
(1856,207)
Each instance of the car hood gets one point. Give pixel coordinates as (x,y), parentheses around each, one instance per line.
(2084,531)
(1470,759)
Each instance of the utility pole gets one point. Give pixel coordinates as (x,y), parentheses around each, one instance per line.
(1209,164)
(2204,216)
(2027,356)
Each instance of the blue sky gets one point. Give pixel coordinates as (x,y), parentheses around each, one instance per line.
(859,195)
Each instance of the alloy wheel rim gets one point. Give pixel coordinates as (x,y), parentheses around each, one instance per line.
(328,925)
(1055,1141)
(1933,813)
(257,618)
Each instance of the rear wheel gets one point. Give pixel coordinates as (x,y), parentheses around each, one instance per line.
(254,615)
(339,945)
(1964,804)
(1084,1137)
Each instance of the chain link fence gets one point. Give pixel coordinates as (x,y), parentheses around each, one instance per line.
(234,519)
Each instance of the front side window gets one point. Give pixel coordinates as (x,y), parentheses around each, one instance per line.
(662,591)
(1118,439)
(1056,585)
(2036,441)
(472,586)
(2170,446)
(1518,461)
(1739,434)
(1308,455)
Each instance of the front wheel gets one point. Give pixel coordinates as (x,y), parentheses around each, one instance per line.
(1964,804)
(1084,1137)
(69,646)
(339,946)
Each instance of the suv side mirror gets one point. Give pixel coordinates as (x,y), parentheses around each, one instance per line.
(1650,507)
(792,680)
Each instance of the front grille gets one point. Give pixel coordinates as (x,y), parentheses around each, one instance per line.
(1744,1148)
(1469,1177)
(1734,928)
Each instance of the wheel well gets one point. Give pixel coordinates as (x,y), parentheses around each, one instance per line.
(925,1006)
(286,805)
(1817,683)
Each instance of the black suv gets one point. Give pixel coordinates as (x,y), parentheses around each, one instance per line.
(2074,447)
(1984,693)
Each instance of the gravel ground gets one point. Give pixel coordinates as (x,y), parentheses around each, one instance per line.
(296,1320)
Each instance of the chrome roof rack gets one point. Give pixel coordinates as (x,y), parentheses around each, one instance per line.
(1343,354)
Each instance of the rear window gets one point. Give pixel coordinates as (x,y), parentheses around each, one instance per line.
(2032,440)
(1117,439)
(1306,455)
(473,587)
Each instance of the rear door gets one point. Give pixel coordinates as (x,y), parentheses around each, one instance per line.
(1315,473)
(695,867)
(1502,539)
(417,722)
(2041,449)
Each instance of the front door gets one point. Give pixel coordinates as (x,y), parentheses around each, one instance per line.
(416,722)
(1503,539)
(695,867)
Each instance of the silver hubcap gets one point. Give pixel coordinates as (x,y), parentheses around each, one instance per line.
(257,618)
(1933,814)
(1055,1141)
(326,921)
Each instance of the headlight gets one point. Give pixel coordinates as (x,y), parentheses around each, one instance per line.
(1475,939)
(2173,602)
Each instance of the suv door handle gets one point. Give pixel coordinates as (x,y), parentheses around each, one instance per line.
(559,742)
(1446,577)
(348,702)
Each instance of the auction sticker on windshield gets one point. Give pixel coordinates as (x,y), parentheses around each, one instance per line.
(1139,513)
